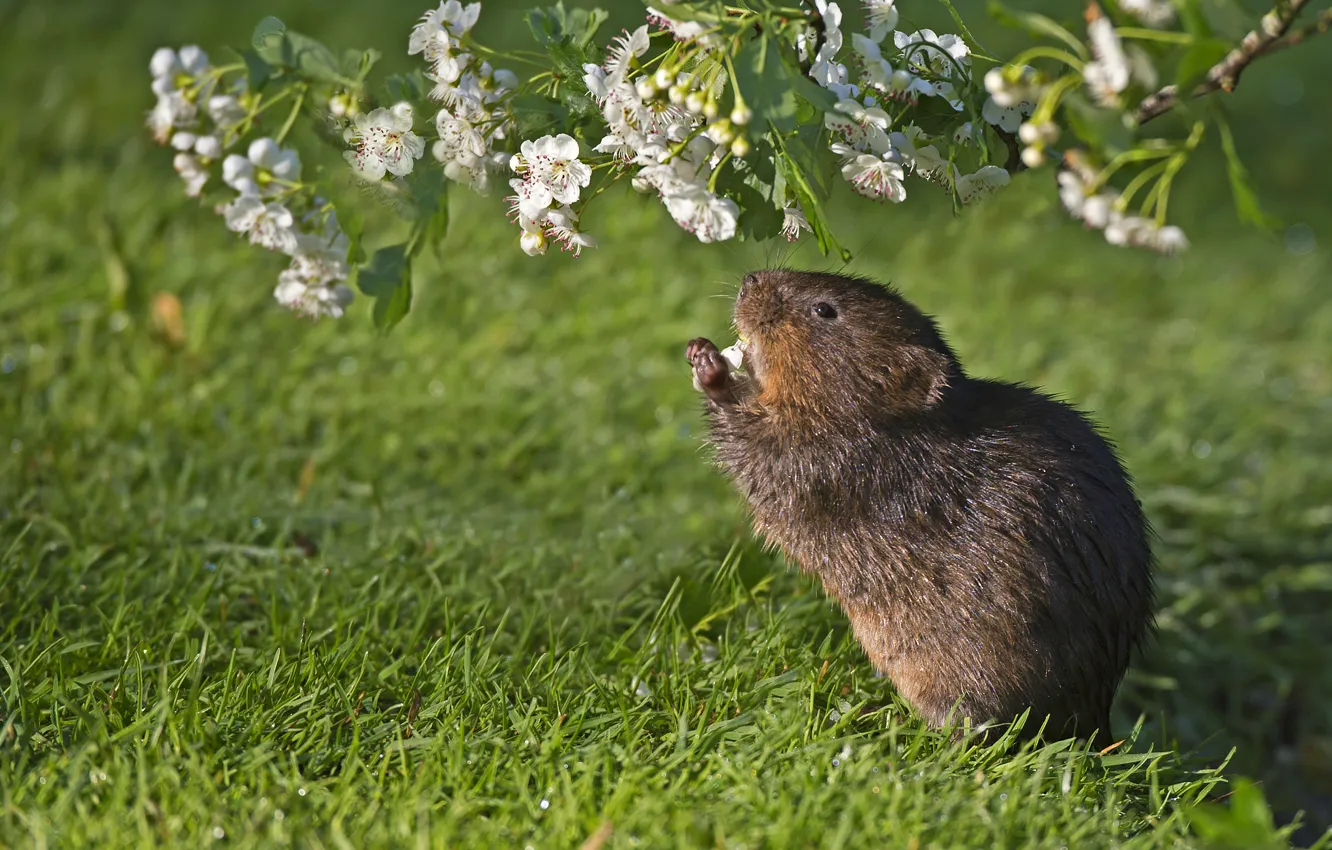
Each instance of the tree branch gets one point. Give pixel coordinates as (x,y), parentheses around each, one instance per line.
(1271,35)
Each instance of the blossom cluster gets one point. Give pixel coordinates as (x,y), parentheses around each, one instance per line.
(920,64)
(716,112)
(1101,210)
(653,124)
(202,117)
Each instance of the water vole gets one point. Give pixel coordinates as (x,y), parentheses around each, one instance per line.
(982,538)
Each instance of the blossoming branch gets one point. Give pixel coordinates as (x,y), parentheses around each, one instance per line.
(741,120)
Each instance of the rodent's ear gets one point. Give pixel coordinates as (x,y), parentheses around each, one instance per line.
(926,376)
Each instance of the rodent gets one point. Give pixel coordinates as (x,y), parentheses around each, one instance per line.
(982,537)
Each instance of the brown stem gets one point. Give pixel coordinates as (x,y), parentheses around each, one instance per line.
(1014,164)
(1271,35)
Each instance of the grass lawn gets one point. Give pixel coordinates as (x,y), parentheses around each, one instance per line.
(476,584)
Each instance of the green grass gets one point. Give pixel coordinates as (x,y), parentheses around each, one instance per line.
(465,585)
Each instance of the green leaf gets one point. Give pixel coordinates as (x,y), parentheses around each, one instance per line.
(765,83)
(387,278)
(557,25)
(798,182)
(267,33)
(1247,207)
(1197,61)
(257,71)
(1038,25)
(410,87)
(359,63)
(1245,824)
(353,224)
(1193,18)
(281,47)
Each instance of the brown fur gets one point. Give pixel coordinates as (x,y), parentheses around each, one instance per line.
(982,538)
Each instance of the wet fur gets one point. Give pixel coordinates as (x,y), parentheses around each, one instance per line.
(982,538)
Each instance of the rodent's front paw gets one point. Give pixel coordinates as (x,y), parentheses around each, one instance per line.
(711,371)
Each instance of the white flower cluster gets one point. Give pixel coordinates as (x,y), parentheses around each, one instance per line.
(471,92)
(654,124)
(922,64)
(550,174)
(313,285)
(1099,210)
(201,120)
(184,80)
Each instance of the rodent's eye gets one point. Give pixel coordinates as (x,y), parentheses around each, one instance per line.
(824,310)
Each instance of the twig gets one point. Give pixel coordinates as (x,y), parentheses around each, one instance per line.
(1270,36)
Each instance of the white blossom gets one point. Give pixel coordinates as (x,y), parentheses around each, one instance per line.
(551,172)
(709,217)
(562,226)
(192,171)
(881,15)
(944,58)
(311,286)
(825,69)
(1153,13)
(1007,92)
(270,225)
(623,51)
(171,110)
(1108,73)
(925,161)
(263,170)
(793,222)
(984,182)
(876,177)
(1006,118)
(863,127)
(384,142)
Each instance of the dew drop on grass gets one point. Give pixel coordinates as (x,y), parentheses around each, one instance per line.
(1202,449)
(219,833)
(16,446)
(301,791)
(436,389)
(545,804)
(210,566)
(279,815)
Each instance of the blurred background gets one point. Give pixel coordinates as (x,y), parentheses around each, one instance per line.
(534,413)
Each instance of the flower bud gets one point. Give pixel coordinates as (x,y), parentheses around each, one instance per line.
(694,102)
(740,147)
(646,88)
(677,95)
(721,132)
(710,110)
(208,147)
(1029,133)
(1033,157)
(534,243)
(663,78)
(994,81)
(741,115)
(642,185)
(900,80)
